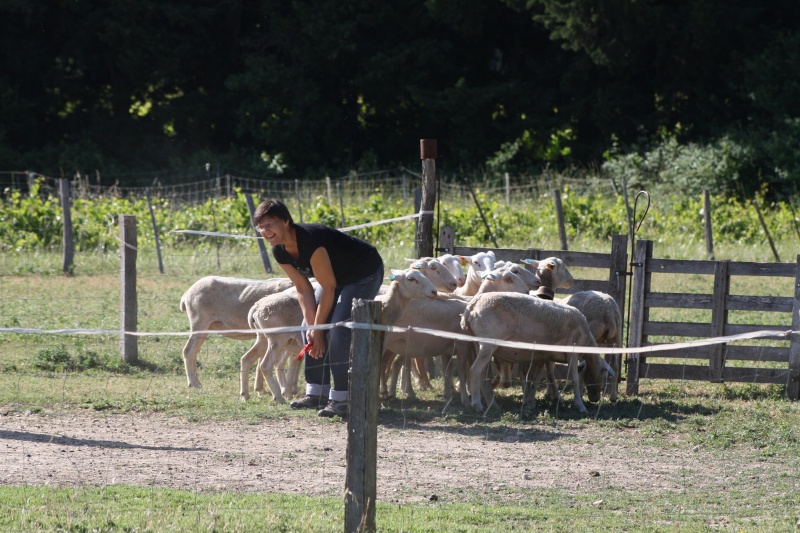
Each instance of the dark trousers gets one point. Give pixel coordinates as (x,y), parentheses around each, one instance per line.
(336,361)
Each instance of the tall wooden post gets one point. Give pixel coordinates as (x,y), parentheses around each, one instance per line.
(707,224)
(562,230)
(129,345)
(262,248)
(639,313)
(424,240)
(362,420)
(155,230)
(66,217)
(793,386)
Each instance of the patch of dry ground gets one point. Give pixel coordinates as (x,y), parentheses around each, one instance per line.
(298,455)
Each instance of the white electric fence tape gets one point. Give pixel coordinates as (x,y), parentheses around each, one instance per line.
(348,228)
(426,331)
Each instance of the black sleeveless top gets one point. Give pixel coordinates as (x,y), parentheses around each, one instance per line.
(352,259)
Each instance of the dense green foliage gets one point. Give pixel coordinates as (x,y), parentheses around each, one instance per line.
(303,88)
(33,223)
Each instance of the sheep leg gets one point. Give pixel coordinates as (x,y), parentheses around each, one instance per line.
(479,382)
(552,387)
(190,350)
(447,378)
(615,362)
(396,367)
(466,353)
(246,362)
(292,374)
(420,370)
(576,382)
(408,387)
(387,367)
(288,367)
(532,378)
(268,368)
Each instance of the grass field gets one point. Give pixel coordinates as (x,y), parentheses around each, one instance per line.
(686,456)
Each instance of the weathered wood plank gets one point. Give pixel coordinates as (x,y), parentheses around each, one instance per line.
(778,304)
(700,373)
(679,300)
(681,266)
(744,268)
(772,354)
(677,329)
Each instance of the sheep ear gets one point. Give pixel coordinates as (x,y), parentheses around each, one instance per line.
(491,276)
(409,260)
(416,266)
(533,262)
(395,274)
(491,252)
(550,265)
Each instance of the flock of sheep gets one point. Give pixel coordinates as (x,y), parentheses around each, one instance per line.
(493,300)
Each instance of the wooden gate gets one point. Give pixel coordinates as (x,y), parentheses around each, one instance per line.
(721,303)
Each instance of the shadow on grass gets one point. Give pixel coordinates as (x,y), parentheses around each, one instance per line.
(60,440)
(506,411)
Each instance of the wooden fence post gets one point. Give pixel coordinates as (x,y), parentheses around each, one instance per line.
(424,239)
(562,230)
(262,249)
(129,345)
(508,188)
(719,316)
(155,230)
(793,385)
(341,201)
(362,420)
(299,201)
(707,224)
(617,283)
(67,264)
(766,230)
(640,286)
(447,239)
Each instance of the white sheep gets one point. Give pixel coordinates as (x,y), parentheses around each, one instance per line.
(442,314)
(528,276)
(276,350)
(452,263)
(279,311)
(440,275)
(478,263)
(523,318)
(552,274)
(220,303)
(605,322)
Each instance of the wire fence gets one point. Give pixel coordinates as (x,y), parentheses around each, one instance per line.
(396,183)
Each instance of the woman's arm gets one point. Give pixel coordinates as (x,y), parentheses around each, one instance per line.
(305,295)
(323,272)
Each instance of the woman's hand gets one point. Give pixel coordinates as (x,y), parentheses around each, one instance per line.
(317,339)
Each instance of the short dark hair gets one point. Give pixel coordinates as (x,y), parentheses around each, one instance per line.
(272,208)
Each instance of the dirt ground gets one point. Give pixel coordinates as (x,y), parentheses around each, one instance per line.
(416,462)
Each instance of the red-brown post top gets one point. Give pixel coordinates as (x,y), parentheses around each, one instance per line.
(427,148)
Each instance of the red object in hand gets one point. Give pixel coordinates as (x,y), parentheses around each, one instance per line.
(304,351)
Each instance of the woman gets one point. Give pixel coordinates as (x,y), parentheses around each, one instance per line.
(344,268)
